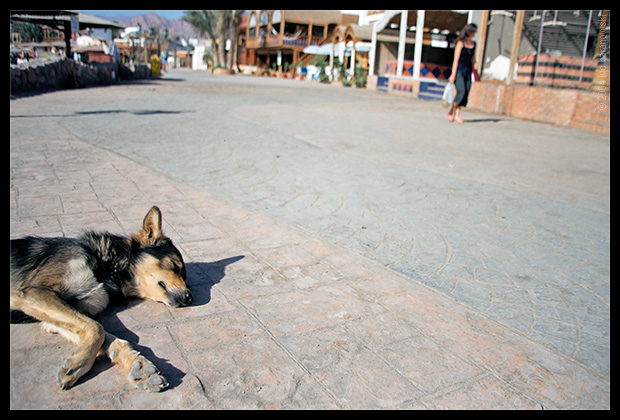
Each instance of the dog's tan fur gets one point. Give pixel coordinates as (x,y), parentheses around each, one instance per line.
(61,289)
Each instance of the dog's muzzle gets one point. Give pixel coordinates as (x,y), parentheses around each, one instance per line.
(183,299)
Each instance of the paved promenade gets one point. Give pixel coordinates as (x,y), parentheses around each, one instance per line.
(346,248)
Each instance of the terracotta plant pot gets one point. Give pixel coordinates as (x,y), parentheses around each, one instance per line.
(220,70)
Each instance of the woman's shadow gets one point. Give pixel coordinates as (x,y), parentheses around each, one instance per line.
(201,277)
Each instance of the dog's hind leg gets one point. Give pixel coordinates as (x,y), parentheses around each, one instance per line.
(142,373)
(45,305)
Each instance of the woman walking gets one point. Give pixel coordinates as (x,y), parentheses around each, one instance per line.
(462,67)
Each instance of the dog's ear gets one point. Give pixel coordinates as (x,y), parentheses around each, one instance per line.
(151,226)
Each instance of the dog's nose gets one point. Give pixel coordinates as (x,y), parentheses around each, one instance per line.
(188,297)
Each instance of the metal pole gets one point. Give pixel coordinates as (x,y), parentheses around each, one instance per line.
(542,21)
(585,47)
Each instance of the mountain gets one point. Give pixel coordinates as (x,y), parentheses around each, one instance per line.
(174,26)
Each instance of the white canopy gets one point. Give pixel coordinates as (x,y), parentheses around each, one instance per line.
(326,49)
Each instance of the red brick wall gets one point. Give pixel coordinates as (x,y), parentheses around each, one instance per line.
(544,104)
(592,112)
(562,71)
(493,97)
(569,107)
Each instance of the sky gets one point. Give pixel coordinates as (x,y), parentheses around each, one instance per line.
(168,14)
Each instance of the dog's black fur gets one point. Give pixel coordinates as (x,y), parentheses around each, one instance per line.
(65,281)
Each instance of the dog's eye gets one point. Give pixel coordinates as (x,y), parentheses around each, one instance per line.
(162,285)
(169,264)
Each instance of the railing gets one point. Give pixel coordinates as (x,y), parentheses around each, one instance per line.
(295,41)
(286,39)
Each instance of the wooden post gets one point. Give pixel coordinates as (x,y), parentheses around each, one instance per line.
(482,40)
(67,31)
(514,49)
(601,34)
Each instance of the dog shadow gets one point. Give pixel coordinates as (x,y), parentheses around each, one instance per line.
(201,277)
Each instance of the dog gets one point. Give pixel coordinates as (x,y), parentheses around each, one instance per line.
(63,282)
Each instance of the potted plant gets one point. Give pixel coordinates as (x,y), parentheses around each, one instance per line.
(323,76)
(342,73)
(285,67)
(361,76)
(221,70)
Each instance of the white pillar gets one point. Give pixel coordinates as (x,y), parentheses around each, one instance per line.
(373,50)
(402,42)
(352,67)
(419,36)
(331,61)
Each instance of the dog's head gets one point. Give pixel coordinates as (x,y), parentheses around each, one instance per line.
(159,271)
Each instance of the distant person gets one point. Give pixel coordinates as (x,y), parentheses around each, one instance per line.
(462,68)
(164,61)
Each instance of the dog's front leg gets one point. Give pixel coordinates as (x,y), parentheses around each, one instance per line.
(142,373)
(45,305)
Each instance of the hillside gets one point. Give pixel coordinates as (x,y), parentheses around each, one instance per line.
(174,26)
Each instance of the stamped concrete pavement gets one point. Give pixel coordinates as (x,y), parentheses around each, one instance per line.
(336,261)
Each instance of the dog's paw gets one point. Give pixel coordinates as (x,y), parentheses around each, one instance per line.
(71,370)
(145,375)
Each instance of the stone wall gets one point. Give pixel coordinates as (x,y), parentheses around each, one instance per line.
(62,73)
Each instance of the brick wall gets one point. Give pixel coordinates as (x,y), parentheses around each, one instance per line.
(544,104)
(493,97)
(568,107)
(560,72)
(591,112)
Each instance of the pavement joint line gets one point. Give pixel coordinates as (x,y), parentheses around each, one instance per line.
(298,362)
(525,267)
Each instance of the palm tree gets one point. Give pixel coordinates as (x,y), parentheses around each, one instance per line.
(234,50)
(217,24)
(210,22)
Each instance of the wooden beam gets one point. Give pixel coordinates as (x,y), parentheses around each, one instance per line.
(67,32)
(514,49)
(482,40)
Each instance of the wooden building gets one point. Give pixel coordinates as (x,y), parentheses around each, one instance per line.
(275,39)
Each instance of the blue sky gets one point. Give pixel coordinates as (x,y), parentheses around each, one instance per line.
(169,14)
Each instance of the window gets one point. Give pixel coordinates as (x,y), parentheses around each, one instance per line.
(263,22)
(276,18)
(252,26)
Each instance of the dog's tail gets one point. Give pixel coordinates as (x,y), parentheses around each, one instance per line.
(18,317)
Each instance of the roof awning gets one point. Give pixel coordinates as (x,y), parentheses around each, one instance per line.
(326,49)
(451,20)
(55,17)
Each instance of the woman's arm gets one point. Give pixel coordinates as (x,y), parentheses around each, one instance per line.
(455,62)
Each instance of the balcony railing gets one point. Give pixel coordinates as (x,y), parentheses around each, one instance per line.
(290,40)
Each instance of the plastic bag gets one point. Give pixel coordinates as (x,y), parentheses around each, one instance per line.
(448,95)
